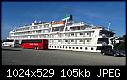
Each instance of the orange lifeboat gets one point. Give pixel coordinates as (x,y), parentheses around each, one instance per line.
(60,22)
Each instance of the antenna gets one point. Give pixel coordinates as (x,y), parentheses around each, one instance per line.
(109,24)
(14,29)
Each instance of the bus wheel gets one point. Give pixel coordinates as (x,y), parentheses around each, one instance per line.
(37,48)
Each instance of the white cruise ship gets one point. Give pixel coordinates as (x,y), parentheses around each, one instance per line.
(66,35)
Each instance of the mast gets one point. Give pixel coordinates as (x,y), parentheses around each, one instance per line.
(109,24)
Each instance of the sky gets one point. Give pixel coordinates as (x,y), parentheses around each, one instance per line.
(16,14)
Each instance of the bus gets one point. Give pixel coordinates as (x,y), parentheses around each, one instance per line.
(34,44)
(10,43)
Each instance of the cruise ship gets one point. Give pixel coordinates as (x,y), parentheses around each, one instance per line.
(66,34)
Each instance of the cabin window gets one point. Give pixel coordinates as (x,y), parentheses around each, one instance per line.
(85,48)
(58,40)
(88,40)
(102,40)
(72,34)
(72,40)
(81,33)
(91,48)
(81,40)
(80,47)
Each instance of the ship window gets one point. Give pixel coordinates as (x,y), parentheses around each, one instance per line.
(87,40)
(80,47)
(66,46)
(91,48)
(81,33)
(102,40)
(72,34)
(69,47)
(60,46)
(85,48)
(73,47)
(65,40)
(76,47)
(72,40)
(55,46)
(63,46)
(81,40)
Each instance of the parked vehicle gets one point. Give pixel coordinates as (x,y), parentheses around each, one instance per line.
(10,43)
(113,52)
(34,44)
(118,53)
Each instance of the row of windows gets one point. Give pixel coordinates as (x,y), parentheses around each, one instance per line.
(67,47)
(31,32)
(69,40)
(33,27)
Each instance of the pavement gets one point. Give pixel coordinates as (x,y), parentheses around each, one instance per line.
(19,56)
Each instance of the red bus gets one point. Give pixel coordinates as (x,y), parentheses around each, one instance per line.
(35,44)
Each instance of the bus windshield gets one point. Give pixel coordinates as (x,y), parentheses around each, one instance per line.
(7,40)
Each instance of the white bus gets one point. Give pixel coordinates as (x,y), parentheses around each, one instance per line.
(10,43)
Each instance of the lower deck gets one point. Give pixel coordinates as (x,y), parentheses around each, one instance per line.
(75,48)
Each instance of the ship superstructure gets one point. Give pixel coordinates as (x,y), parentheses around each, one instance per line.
(66,35)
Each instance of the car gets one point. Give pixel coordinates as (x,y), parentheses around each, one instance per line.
(113,52)
(118,53)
